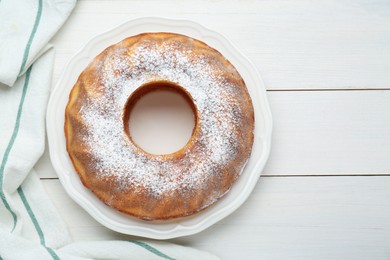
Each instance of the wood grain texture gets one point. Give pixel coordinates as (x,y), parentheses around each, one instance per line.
(284,218)
(295,44)
(330,132)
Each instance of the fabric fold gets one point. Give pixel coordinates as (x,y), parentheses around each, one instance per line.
(26,28)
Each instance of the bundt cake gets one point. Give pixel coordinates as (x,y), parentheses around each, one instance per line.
(150,186)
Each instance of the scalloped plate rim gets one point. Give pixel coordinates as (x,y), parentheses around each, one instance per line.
(205,218)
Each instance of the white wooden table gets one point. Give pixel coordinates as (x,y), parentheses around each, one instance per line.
(325,192)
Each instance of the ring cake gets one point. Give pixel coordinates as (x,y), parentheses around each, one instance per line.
(131,180)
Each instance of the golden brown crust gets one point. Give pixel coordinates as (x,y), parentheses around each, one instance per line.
(135,197)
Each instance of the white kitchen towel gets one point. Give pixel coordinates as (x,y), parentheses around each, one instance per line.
(27,26)
(30,227)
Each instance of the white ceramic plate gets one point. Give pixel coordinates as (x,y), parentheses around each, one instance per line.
(114,219)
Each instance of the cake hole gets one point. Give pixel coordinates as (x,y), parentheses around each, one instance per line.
(160,118)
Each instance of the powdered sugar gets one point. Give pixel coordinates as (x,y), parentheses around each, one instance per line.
(123,71)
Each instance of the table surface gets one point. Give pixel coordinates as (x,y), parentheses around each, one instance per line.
(325,191)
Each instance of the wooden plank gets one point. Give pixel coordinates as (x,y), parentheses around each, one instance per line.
(284,218)
(321,133)
(330,132)
(295,44)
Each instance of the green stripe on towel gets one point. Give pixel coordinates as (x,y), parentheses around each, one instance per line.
(17,123)
(32,35)
(32,215)
(13,138)
(151,249)
(36,224)
(10,145)
(52,253)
